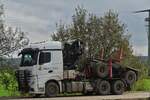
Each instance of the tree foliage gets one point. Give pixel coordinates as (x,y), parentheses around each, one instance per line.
(10,39)
(105,32)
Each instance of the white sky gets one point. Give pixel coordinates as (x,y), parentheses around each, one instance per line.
(39,17)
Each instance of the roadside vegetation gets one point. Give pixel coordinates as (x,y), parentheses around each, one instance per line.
(142,85)
(8,83)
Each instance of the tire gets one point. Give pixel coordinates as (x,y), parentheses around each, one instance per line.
(130,77)
(101,70)
(103,87)
(51,89)
(118,87)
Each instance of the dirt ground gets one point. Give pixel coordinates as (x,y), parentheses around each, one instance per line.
(125,96)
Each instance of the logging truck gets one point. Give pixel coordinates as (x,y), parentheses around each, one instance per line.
(50,68)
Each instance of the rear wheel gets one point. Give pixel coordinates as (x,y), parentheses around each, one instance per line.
(118,87)
(130,77)
(52,89)
(103,87)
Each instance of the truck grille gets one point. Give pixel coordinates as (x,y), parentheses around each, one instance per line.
(23,78)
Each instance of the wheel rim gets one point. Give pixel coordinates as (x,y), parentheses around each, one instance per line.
(130,77)
(104,88)
(118,87)
(52,90)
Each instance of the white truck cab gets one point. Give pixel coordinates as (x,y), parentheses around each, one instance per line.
(40,63)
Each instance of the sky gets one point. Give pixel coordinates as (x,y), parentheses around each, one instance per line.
(39,17)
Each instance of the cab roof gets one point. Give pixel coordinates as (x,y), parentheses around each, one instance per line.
(46,45)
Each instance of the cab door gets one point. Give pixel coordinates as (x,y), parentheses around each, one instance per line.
(49,67)
(44,67)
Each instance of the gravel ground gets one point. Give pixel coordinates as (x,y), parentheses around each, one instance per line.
(125,96)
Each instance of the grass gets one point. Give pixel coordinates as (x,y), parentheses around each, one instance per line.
(142,85)
(4,92)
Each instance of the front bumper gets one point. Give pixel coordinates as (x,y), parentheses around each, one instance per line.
(27,83)
(23,79)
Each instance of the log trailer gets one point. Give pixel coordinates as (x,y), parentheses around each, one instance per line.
(49,68)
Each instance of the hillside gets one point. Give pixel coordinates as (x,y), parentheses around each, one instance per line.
(14,62)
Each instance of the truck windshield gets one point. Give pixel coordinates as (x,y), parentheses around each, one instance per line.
(29,59)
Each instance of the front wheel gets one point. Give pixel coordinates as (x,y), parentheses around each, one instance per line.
(51,89)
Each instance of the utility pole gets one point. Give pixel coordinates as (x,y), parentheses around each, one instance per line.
(147,20)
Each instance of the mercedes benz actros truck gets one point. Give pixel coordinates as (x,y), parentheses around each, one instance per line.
(50,68)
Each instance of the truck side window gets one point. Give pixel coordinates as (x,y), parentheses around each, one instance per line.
(45,57)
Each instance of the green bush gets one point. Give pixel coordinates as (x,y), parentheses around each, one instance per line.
(8,83)
(142,85)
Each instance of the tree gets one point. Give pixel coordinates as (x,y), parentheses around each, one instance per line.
(63,33)
(10,39)
(105,32)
